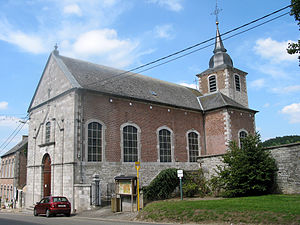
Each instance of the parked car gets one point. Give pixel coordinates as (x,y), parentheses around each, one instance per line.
(52,205)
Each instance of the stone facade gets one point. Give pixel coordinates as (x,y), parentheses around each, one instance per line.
(70,97)
(287,159)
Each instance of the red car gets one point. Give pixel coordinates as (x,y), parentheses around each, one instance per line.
(53,205)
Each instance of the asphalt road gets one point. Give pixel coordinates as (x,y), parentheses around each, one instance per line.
(27,219)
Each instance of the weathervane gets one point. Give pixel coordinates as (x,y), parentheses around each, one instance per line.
(216,12)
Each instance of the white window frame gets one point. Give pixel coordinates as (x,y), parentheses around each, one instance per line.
(187,142)
(239,139)
(158,144)
(138,141)
(103,141)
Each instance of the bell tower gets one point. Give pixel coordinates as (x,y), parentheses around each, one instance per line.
(221,76)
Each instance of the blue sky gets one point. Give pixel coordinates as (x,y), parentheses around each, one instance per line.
(128,33)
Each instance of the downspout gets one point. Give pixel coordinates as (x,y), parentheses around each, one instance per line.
(204,133)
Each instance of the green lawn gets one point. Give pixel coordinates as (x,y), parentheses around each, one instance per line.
(268,209)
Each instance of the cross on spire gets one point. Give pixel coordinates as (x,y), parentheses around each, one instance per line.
(216,12)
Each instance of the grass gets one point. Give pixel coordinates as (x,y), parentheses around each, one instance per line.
(268,209)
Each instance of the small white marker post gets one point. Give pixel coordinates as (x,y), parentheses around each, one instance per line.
(180,175)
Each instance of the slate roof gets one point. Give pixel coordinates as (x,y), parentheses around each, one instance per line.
(117,82)
(17,147)
(219,100)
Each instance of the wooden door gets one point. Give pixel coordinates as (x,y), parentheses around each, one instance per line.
(47,175)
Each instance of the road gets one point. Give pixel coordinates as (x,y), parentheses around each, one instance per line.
(27,219)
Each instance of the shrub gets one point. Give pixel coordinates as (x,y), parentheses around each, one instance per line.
(247,171)
(189,189)
(162,186)
(195,184)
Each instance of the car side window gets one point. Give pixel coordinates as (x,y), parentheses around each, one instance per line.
(46,200)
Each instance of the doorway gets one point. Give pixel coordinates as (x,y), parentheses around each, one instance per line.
(47,175)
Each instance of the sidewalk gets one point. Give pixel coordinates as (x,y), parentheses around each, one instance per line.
(101,213)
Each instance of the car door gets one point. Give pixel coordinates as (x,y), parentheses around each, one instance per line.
(45,205)
(39,206)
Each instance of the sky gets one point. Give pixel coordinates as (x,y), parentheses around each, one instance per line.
(128,33)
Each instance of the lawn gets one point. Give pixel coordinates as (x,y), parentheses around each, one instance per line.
(268,209)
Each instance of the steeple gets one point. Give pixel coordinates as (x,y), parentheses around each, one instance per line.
(220,56)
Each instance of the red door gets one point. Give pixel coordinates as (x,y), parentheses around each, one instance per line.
(47,175)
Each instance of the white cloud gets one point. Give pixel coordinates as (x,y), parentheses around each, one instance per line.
(9,121)
(259,83)
(173,5)
(267,105)
(28,42)
(72,9)
(273,50)
(293,111)
(188,85)
(287,89)
(3,105)
(164,31)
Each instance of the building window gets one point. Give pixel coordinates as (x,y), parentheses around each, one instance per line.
(193,146)
(165,146)
(48,130)
(130,144)
(212,83)
(237,82)
(242,135)
(94,142)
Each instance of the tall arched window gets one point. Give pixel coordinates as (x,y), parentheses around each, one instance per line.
(237,82)
(242,135)
(48,132)
(212,83)
(130,144)
(94,147)
(193,146)
(165,146)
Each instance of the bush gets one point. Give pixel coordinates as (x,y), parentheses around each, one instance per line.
(248,171)
(195,184)
(162,186)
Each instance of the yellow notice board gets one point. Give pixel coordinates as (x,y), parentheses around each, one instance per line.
(125,187)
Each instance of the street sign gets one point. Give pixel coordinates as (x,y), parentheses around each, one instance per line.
(180,173)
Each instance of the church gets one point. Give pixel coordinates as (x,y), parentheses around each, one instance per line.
(88,119)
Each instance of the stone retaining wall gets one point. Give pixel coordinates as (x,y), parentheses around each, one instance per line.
(287,158)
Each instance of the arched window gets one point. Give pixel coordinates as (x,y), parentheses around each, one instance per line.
(237,82)
(130,144)
(165,146)
(193,146)
(48,130)
(242,135)
(212,83)
(94,146)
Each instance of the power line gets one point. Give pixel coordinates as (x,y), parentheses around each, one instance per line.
(13,135)
(189,48)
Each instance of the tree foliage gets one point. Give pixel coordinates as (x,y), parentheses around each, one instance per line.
(248,171)
(294,48)
(162,186)
(281,140)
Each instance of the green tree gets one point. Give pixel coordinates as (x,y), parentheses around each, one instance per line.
(248,171)
(294,48)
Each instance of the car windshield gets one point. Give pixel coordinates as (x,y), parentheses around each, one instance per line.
(60,199)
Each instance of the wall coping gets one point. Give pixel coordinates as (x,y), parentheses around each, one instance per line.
(282,146)
(209,156)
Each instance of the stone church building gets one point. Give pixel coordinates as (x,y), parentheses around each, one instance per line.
(88,119)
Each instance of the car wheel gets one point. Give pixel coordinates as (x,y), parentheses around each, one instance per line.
(35,212)
(67,214)
(48,213)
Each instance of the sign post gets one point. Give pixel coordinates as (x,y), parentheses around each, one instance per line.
(180,175)
(137,166)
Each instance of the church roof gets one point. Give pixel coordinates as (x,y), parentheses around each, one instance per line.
(117,82)
(17,147)
(219,100)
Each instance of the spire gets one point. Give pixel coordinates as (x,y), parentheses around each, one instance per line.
(220,56)
(219,47)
